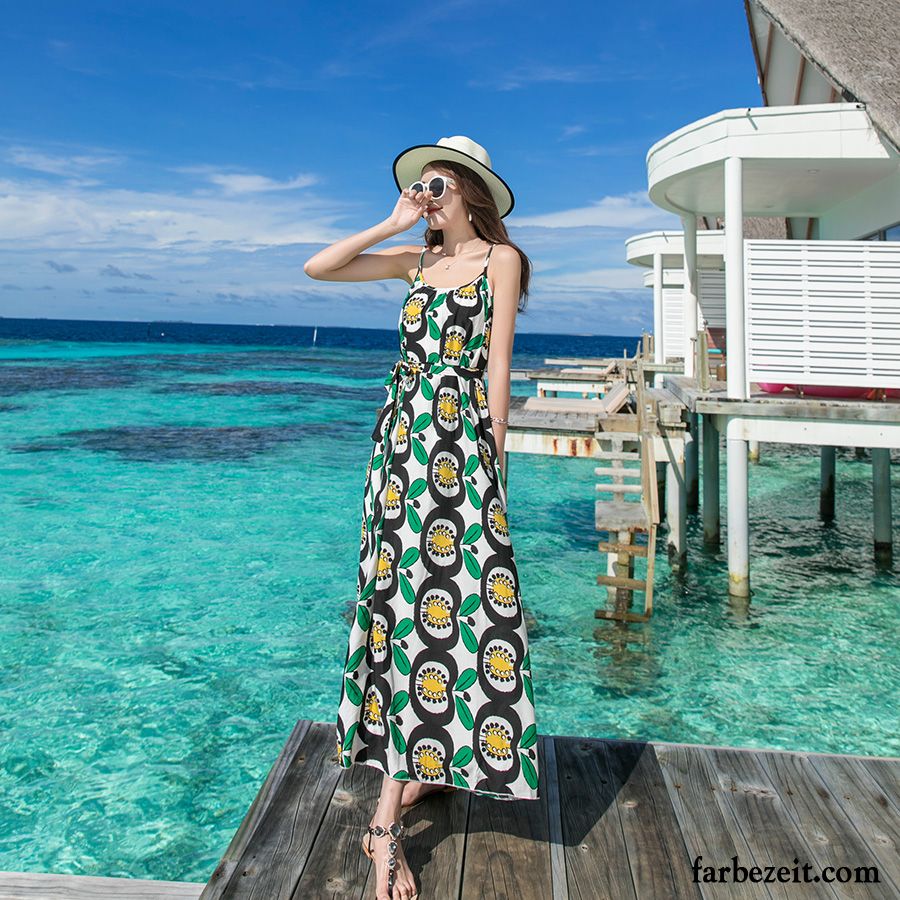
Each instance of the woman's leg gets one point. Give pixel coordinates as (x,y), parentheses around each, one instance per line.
(386,812)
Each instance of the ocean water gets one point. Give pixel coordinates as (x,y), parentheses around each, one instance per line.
(179,522)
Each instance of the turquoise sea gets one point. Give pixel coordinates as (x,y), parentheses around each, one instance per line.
(179,530)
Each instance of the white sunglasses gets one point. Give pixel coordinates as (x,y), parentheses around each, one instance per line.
(436,186)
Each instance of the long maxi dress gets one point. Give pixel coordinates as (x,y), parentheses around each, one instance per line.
(437,683)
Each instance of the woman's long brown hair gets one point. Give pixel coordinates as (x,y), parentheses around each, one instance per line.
(485,217)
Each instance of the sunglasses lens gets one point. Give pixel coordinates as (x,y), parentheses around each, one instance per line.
(416,187)
(437,186)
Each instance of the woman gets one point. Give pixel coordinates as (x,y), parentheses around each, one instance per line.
(436,689)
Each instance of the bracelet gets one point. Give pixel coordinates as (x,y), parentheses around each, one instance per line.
(498,419)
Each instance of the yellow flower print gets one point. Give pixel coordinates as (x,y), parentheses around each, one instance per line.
(496,741)
(429,762)
(432,685)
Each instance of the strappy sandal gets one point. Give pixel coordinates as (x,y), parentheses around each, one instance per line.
(406,807)
(395,831)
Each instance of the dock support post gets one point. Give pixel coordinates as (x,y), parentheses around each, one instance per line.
(692,462)
(659,355)
(661,488)
(711,516)
(826,484)
(753,451)
(738,513)
(736,361)
(676,511)
(881,496)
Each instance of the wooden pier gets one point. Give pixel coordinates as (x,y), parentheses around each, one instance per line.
(615,819)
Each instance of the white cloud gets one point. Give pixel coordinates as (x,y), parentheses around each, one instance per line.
(622,278)
(632,211)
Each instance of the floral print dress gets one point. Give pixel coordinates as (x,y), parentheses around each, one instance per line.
(437,682)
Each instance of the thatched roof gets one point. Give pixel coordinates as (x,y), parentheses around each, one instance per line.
(855,43)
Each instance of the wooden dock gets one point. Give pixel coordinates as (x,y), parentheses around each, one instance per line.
(616,819)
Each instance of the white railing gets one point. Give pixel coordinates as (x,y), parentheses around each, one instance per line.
(711,289)
(823,312)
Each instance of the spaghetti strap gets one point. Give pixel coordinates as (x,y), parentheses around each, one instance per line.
(421,257)
(487,259)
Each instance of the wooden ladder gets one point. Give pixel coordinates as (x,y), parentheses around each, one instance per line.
(626,520)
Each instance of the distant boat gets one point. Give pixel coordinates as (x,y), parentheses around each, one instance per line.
(315,332)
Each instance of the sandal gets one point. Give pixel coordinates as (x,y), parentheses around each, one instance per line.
(394,831)
(406,807)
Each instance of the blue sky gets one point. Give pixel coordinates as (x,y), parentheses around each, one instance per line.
(182,160)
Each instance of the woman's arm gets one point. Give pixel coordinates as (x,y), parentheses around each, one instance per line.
(506,277)
(345,261)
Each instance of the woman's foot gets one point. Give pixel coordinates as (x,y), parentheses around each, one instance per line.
(414,791)
(404,884)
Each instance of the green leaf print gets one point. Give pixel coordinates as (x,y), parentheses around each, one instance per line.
(422,422)
(471,464)
(355,660)
(402,661)
(475,342)
(473,495)
(438,300)
(438,369)
(401,698)
(368,590)
(526,661)
(398,739)
(363,617)
(460,780)
(409,594)
(413,518)
(427,389)
(529,736)
(403,775)
(408,558)
(466,680)
(470,429)
(463,713)
(433,357)
(472,564)
(434,329)
(470,604)
(416,488)
(402,629)
(419,450)
(377,461)
(353,691)
(464,359)
(347,746)
(462,757)
(473,532)
(529,690)
(468,637)
(528,770)
(463,400)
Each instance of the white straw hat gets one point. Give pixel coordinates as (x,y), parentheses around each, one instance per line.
(408,166)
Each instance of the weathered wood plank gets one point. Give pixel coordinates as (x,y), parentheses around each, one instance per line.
(507,847)
(38,886)
(870,810)
(554,820)
(225,869)
(829,832)
(276,853)
(336,865)
(596,856)
(659,860)
(773,836)
(707,826)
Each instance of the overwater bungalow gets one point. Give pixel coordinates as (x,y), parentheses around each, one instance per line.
(787,320)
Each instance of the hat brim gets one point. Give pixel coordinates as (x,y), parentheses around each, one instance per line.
(409,163)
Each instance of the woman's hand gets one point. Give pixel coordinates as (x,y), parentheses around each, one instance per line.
(409,209)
